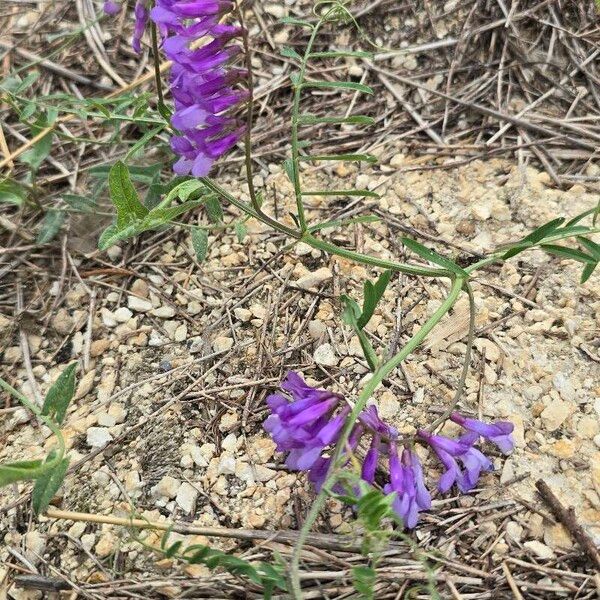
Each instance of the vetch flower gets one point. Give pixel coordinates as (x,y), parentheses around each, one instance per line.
(407,482)
(499,433)
(142,16)
(111,8)
(450,451)
(203,86)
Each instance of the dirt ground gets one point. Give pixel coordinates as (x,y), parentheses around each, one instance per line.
(178,358)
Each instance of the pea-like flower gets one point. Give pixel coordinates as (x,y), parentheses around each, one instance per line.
(309,425)
(407,482)
(499,433)
(111,8)
(451,451)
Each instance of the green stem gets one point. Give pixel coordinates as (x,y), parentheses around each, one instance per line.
(378,376)
(295,123)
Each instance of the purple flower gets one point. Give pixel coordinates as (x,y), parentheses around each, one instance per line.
(406,481)
(204,88)
(448,451)
(142,16)
(499,433)
(111,8)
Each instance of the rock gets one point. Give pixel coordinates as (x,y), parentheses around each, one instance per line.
(514,531)
(229,443)
(564,387)
(197,456)
(106,420)
(98,437)
(132,481)
(167,487)
(242,314)
(156,339)
(555,413)
(491,350)
(108,317)
(164,312)
(186,498)
(62,322)
(540,550)
(117,410)
(324,355)
(180,334)
(480,211)
(316,329)
(35,545)
(557,536)
(85,384)
(194,307)
(139,304)
(222,344)
(398,160)
(99,347)
(261,450)
(123,314)
(226,465)
(106,545)
(388,405)
(140,288)
(533,392)
(314,279)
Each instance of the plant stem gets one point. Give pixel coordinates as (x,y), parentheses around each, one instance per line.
(295,122)
(162,107)
(378,376)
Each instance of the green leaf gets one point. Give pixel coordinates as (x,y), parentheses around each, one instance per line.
(241,231)
(592,247)
(214,210)
(80,203)
(294,21)
(564,252)
(60,395)
(352,120)
(289,168)
(432,256)
(587,272)
(342,54)
(339,85)
(158,217)
(12,193)
(341,157)
(364,579)
(48,484)
(124,196)
(38,153)
(200,243)
(372,296)
(184,190)
(23,470)
(53,220)
(290,53)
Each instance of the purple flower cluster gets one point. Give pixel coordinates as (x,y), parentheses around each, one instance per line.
(204,88)
(203,85)
(309,426)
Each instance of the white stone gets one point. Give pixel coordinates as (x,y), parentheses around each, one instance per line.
(564,387)
(324,355)
(314,279)
(398,160)
(167,487)
(540,550)
(316,329)
(164,312)
(226,465)
(156,339)
(139,304)
(108,318)
(98,437)
(555,413)
(222,344)
(181,333)
(123,314)
(229,443)
(242,314)
(186,498)
(198,457)
(106,420)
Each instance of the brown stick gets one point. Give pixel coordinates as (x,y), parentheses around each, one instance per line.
(568,519)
